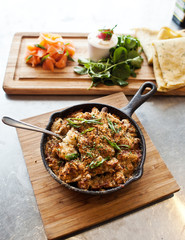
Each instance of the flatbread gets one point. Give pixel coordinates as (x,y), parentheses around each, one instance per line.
(146,37)
(167,33)
(169,63)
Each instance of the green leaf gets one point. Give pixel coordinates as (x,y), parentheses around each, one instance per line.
(109,82)
(132,73)
(120,54)
(111,52)
(136,62)
(101,75)
(122,82)
(121,71)
(133,54)
(103,60)
(70,58)
(83,61)
(80,70)
(40,46)
(96,81)
(130,42)
(97,68)
(119,40)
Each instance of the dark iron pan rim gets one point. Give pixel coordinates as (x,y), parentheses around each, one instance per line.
(124,113)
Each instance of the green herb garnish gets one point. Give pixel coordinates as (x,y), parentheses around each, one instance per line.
(40,46)
(44,58)
(89,154)
(111,125)
(71,156)
(88,130)
(113,144)
(95,164)
(69,57)
(125,146)
(106,34)
(123,59)
(79,121)
(28,58)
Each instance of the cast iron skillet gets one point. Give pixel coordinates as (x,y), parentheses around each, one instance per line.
(126,112)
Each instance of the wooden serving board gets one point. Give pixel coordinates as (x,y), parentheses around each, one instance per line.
(21,78)
(64,211)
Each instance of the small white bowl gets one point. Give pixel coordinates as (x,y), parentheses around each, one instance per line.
(99,48)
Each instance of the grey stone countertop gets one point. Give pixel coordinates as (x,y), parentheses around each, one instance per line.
(162,117)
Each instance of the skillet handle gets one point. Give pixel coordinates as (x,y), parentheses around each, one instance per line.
(138,99)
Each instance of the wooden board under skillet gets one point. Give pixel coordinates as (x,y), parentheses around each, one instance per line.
(64,211)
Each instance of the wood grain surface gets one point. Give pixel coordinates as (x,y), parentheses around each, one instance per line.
(64,211)
(21,78)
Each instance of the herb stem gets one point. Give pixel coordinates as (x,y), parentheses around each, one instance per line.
(113,144)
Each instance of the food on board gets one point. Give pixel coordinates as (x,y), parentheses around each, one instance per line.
(115,69)
(50,51)
(98,150)
(147,36)
(165,49)
(169,63)
(167,33)
(100,42)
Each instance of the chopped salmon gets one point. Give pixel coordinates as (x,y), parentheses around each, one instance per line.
(33,60)
(50,51)
(62,62)
(41,53)
(48,64)
(70,48)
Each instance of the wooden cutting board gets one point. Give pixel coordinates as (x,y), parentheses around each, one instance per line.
(21,78)
(64,211)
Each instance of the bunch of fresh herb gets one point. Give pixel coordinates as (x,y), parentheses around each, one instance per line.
(118,67)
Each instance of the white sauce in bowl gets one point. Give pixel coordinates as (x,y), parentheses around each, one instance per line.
(99,48)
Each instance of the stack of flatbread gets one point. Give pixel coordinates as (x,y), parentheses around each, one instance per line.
(165,49)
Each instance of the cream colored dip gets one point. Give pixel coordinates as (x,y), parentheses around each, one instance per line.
(99,48)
